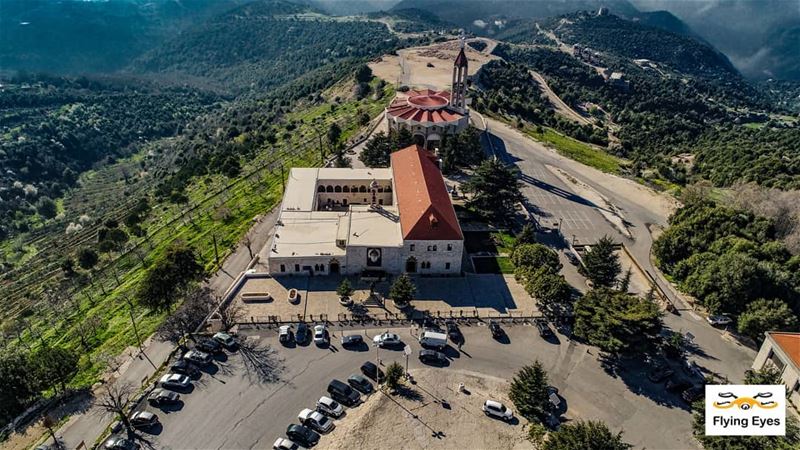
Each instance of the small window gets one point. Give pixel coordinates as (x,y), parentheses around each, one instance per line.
(434,248)
(449,247)
(297,267)
(412,247)
(447,266)
(283,268)
(337,189)
(380,201)
(346,189)
(429,248)
(322,267)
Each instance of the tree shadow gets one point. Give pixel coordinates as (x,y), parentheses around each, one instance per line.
(409,393)
(633,373)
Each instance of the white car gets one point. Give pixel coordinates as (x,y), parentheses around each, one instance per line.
(385,339)
(320,335)
(719,320)
(496,409)
(174,380)
(225,339)
(329,407)
(197,357)
(315,421)
(284,444)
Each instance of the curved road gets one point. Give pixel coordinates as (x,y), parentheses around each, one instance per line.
(552,198)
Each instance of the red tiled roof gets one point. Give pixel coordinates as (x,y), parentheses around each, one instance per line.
(788,342)
(426,212)
(424,106)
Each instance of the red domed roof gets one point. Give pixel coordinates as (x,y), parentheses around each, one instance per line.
(426,106)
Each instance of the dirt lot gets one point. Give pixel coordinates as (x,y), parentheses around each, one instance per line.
(431,415)
(429,67)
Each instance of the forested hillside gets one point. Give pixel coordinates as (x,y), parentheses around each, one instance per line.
(685,99)
(56,128)
(80,37)
(262,45)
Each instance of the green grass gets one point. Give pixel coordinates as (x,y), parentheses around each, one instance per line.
(493,264)
(582,152)
(505,241)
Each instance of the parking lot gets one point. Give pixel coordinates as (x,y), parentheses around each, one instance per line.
(226,408)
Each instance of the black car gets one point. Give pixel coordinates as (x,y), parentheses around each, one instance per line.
(352,340)
(120,443)
(343,393)
(209,346)
(453,333)
(659,374)
(692,394)
(432,357)
(302,333)
(544,328)
(371,370)
(360,383)
(184,367)
(162,397)
(677,384)
(302,435)
(495,329)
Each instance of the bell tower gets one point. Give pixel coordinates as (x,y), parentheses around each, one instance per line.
(458,93)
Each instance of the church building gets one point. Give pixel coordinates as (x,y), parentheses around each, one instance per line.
(368,221)
(427,114)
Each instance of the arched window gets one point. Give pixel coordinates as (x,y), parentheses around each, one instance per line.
(329,188)
(337,189)
(388,188)
(380,188)
(321,188)
(362,188)
(345,188)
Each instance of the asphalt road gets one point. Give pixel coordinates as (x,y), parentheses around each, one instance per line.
(227,410)
(554,200)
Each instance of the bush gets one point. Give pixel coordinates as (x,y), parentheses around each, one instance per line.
(394,372)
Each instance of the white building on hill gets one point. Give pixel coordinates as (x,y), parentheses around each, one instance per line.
(352,221)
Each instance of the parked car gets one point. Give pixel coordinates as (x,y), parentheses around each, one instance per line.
(386,339)
(284,444)
(719,320)
(225,339)
(572,258)
(163,397)
(433,339)
(209,346)
(495,329)
(692,394)
(453,332)
(432,357)
(343,393)
(119,443)
(360,383)
(497,410)
(371,370)
(285,334)
(315,421)
(543,327)
(693,370)
(352,340)
(183,366)
(143,419)
(660,374)
(174,381)
(302,333)
(677,384)
(302,435)
(320,335)
(329,407)
(197,357)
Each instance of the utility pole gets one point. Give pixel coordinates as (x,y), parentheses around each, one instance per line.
(216,253)
(283,179)
(321,149)
(136,332)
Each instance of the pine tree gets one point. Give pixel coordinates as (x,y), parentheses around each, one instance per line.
(402,290)
(601,264)
(529,392)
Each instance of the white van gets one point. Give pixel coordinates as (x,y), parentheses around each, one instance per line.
(433,339)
